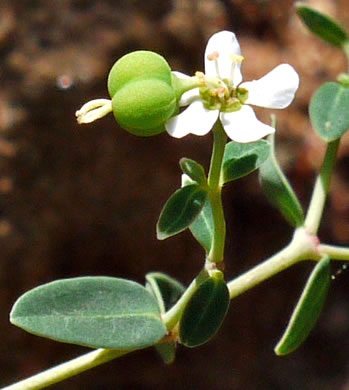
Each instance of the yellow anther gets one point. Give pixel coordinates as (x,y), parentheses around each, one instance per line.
(201,77)
(221,92)
(218,92)
(199,74)
(236,58)
(213,56)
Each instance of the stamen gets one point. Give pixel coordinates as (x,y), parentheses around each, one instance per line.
(93,110)
(221,92)
(235,59)
(201,78)
(213,57)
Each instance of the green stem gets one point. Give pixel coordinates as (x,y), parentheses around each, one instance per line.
(317,202)
(346,52)
(100,356)
(183,85)
(334,252)
(303,246)
(172,317)
(216,253)
(67,369)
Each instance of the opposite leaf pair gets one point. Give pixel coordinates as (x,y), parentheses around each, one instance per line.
(105,312)
(190,205)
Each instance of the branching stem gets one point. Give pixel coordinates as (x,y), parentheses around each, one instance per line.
(318,199)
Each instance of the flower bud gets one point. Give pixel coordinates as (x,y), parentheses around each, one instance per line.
(143,98)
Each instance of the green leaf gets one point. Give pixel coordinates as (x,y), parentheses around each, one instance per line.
(97,312)
(241,159)
(278,190)
(322,25)
(308,309)
(203,227)
(194,170)
(204,312)
(329,111)
(165,289)
(181,210)
(167,351)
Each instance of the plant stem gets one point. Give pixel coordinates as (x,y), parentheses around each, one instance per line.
(216,253)
(335,252)
(171,317)
(67,369)
(317,202)
(303,246)
(346,52)
(100,356)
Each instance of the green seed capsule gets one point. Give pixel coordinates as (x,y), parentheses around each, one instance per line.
(135,66)
(143,106)
(143,98)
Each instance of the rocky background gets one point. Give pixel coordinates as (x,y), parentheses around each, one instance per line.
(84,200)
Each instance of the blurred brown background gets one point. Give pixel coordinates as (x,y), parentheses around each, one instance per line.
(84,200)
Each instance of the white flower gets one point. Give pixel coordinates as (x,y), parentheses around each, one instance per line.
(223,95)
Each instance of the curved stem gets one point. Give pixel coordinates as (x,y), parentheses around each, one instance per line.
(67,369)
(303,246)
(317,202)
(100,356)
(216,253)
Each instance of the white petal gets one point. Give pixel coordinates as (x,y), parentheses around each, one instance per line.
(196,119)
(189,96)
(275,90)
(226,44)
(243,126)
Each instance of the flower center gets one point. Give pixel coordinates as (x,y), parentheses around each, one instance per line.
(221,94)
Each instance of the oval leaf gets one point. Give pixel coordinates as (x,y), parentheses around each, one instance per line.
(165,289)
(204,312)
(308,309)
(278,190)
(194,170)
(241,159)
(97,312)
(181,210)
(329,111)
(321,25)
(203,227)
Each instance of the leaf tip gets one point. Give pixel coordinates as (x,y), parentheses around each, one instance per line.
(11,319)
(12,315)
(160,235)
(299,4)
(278,351)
